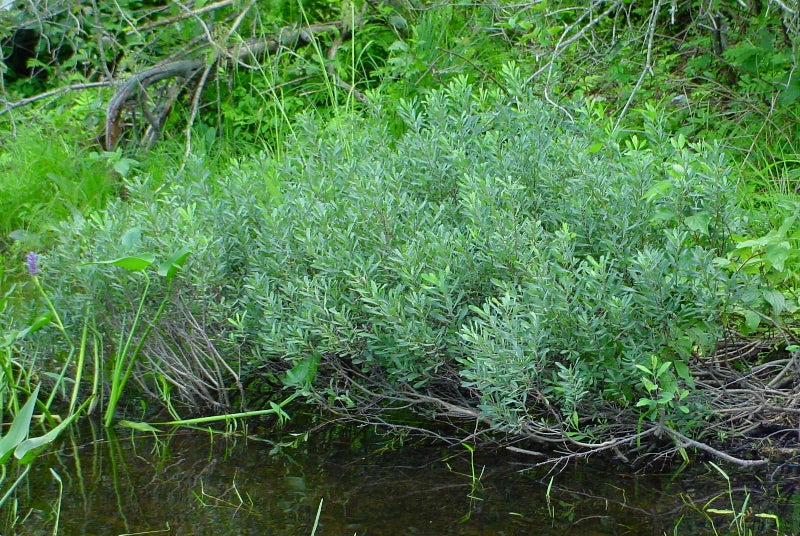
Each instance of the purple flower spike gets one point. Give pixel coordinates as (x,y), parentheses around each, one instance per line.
(33,267)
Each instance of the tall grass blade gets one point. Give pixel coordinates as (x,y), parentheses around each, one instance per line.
(316,519)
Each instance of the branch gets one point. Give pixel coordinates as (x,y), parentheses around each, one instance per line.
(52,93)
(686,442)
(127,93)
(184,15)
(189,69)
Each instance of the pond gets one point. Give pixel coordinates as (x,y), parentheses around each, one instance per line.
(352,481)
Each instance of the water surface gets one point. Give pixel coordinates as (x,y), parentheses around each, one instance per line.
(195,483)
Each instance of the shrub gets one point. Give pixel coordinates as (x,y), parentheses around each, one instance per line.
(488,246)
(491,255)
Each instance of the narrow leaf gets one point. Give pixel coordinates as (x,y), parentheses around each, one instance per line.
(37,324)
(140,426)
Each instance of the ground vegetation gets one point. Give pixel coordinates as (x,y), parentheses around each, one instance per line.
(557,227)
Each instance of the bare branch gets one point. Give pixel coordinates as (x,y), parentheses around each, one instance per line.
(52,93)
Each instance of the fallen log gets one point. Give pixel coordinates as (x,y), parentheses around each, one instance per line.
(133,91)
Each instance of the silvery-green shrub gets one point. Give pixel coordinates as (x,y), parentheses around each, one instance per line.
(492,247)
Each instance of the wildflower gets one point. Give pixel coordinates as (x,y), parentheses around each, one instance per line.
(33,267)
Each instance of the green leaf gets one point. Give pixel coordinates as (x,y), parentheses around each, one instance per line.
(777,254)
(595,147)
(777,300)
(131,238)
(650,386)
(666,397)
(791,92)
(751,320)
(41,321)
(133,264)
(20,428)
(173,264)
(698,223)
(787,224)
(753,243)
(140,426)
(282,415)
(683,372)
(658,190)
(28,449)
(303,372)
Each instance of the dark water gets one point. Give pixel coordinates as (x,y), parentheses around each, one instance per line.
(193,483)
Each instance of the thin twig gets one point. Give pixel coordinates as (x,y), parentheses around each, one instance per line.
(186,13)
(52,93)
(648,65)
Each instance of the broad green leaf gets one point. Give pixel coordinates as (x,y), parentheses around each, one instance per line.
(595,147)
(663,214)
(683,372)
(755,243)
(303,372)
(720,262)
(131,238)
(777,254)
(777,300)
(170,267)
(27,450)
(677,170)
(751,320)
(699,223)
(133,263)
(790,93)
(787,224)
(19,429)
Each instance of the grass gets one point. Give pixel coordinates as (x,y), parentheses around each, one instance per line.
(738,515)
(46,178)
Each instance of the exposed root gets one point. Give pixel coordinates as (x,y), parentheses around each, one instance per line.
(743,401)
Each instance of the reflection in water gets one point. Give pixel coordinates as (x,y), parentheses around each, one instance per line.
(193,483)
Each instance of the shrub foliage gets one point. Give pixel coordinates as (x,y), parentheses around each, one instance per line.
(493,261)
